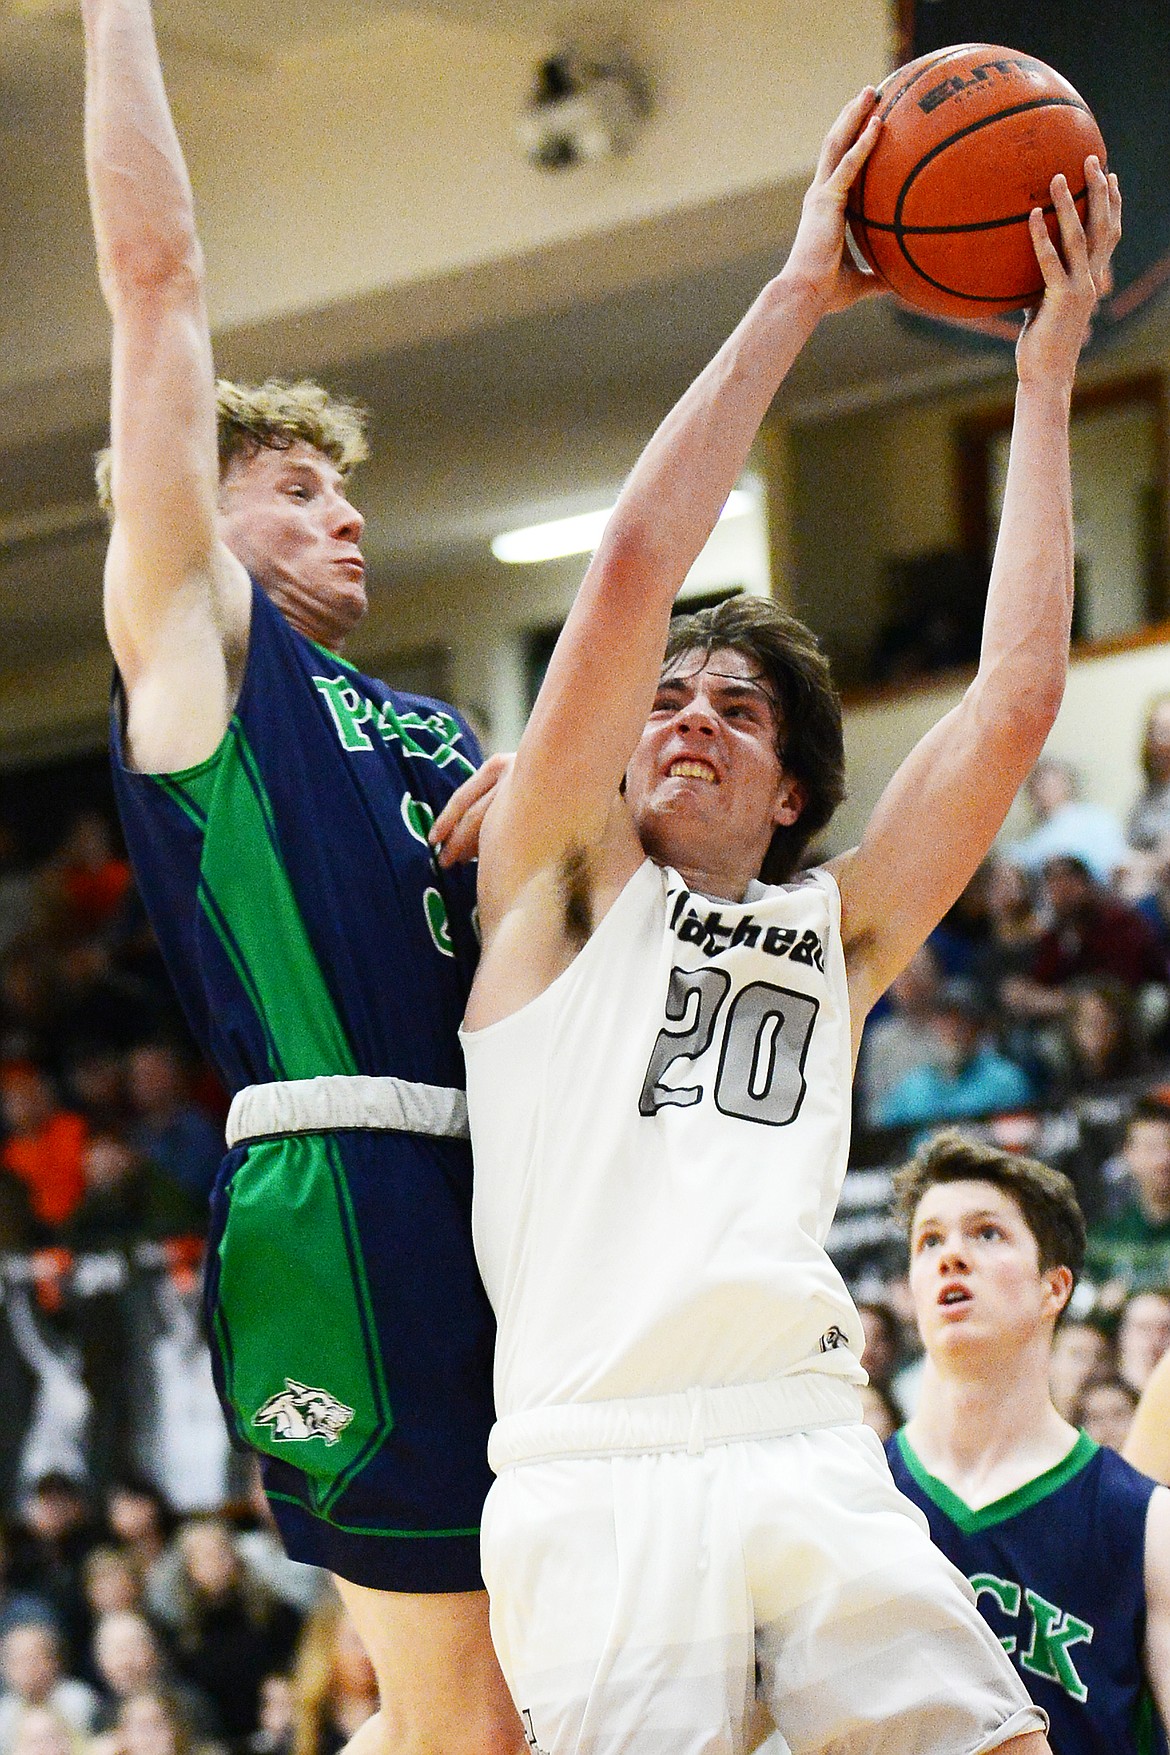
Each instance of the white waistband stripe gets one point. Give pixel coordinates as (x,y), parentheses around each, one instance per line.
(688,1421)
(339,1101)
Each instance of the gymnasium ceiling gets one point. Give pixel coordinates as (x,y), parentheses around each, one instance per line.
(520,333)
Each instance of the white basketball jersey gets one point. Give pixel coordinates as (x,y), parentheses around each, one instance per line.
(659,1141)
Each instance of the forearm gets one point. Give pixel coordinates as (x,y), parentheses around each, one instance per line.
(676,491)
(140,194)
(1024,655)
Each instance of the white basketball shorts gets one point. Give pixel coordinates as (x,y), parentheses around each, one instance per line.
(640,1601)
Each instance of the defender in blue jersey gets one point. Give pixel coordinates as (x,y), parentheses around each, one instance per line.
(277,805)
(1066,1546)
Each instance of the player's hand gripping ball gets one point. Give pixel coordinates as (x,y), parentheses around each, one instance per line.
(971,139)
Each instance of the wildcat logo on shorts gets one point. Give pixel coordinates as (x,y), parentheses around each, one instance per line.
(298,1412)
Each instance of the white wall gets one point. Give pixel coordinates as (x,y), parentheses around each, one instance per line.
(1099,730)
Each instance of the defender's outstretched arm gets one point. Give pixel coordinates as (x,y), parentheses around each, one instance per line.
(176,602)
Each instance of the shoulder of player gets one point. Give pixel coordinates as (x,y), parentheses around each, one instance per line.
(181,655)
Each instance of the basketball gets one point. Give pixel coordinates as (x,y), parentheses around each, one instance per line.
(971,139)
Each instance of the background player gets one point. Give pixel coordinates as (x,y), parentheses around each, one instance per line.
(658,1065)
(1067,1546)
(276,805)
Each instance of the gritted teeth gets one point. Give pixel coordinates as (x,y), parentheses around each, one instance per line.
(689,769)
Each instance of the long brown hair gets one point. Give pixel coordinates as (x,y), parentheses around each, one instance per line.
(810,739)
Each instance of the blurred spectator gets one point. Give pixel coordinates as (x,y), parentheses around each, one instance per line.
(111,1581)
(1081,1351)
(1105,1409)
(41,1731)
(1067,824)
(128,1660)
(1014,927)
(276,1721)
(1151,890)
(902,1038)
(1143,1336)
(86,879)
(140,1521)
(170,1129)
(1092,932)
(228,1630)
(126,1198)
(94,1079)
(882,1354)
(155,1722)
(1131,1251)
(45,1145)
(968,1077)
(33,1674)
(879,1411)
(29,991)
(1149,819)
(51,1535)
(334,1686)
(1099,1039)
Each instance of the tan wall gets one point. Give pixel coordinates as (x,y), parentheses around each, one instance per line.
(334,172)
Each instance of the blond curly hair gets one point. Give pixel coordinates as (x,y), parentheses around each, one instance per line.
(273,415)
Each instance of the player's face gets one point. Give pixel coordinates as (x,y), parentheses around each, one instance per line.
(975,1275)
(285,515)
(706,784)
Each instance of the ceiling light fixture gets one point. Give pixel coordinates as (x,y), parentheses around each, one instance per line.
(580,535)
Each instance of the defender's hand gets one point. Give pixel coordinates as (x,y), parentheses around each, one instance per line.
(819,255)
(455,832)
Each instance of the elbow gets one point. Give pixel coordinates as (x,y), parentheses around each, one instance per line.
(628,554)
(153,270)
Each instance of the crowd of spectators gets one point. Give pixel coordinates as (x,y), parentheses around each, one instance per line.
(1038,1014)
(126,1631)
(1039,1011)
(112,1131)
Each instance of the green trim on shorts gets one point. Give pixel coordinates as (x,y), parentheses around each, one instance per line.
(972,1522)
(294,1321)
(354,1529)
(247,897)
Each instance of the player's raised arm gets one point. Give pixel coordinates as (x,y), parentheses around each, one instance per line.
(601,680)
(176,602)
(941,811)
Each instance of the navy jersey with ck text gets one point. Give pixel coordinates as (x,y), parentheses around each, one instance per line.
(304,921)
(1058,1568)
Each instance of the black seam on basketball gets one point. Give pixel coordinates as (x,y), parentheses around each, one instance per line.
(900,230)
(1045,103)
(974,225)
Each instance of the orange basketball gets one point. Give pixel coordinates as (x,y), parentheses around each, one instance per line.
(971,139)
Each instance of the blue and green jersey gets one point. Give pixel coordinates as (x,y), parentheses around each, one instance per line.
(1058,1568)
(304,921)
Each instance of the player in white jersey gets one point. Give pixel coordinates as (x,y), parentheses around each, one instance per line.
(659,1055)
